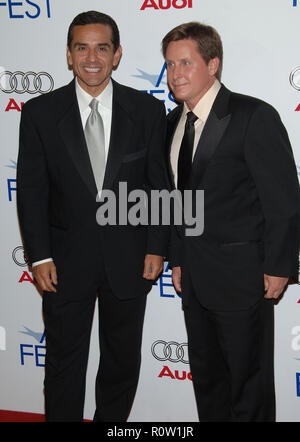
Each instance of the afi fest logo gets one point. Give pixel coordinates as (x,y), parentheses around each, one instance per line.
(166,4)
(159,87)
(11,182)
(27,8)
(33,353)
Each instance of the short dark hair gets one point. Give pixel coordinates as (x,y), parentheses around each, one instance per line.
(95,17)
(208,41)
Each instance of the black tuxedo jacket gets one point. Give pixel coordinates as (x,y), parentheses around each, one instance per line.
(244,164)
(56,191)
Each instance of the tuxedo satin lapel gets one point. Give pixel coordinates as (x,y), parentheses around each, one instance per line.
(120,136)
(71,132)
(114,158)
(211,136)
(171,128)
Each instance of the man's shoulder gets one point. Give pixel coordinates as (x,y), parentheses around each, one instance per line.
(134,96)
(49,100)
(249,102)
(252,108)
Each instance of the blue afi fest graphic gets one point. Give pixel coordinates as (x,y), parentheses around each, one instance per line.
(11,182)
(159,87)
(35,353)
(165,285)
(27,9)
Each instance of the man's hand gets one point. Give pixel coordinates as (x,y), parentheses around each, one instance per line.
(176,278)
(153,266)
(274,286)
(45,276)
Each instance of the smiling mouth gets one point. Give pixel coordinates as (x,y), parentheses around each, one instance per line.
(92,70)
(176,86)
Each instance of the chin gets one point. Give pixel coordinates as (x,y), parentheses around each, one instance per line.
(180,98)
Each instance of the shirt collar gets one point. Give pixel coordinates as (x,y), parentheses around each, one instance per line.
(204,105)
(84,99)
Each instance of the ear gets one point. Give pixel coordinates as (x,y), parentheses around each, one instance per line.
(117,57)
(213,66)
(69,58)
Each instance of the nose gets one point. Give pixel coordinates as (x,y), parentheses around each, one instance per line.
(177,71)
(91,55)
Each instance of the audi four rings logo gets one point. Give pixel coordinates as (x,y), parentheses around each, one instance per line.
(19,257)
(295,78)
(170,351)
(30,82)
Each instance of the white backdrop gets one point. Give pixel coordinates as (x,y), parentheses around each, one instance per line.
(261,49)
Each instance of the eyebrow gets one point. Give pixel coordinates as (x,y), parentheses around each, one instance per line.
(78,43)
(168,60)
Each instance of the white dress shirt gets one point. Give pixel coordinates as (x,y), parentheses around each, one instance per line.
(201,110)
(105,110)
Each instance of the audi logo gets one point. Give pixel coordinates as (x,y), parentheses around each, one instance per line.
(30,82)
(18,256)
(170,351)
(295,78)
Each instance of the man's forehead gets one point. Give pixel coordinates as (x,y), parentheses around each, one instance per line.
(94,31)
(180,48)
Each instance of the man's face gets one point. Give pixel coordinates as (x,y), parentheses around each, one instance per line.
(189,76)
(92,56)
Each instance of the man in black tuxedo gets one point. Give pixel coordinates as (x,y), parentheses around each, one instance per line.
(236,149)
(71,147)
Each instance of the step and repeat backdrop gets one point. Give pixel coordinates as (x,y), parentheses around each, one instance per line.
(261,58)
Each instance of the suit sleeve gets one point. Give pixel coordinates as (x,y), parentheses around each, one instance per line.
(156,173)
(175,254)
(270,160)
(32,191)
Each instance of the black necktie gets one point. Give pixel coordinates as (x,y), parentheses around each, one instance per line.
(186,151)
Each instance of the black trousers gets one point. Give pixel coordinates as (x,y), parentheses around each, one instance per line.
(68,324)
(231,359)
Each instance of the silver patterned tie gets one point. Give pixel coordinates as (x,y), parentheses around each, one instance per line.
(94,135)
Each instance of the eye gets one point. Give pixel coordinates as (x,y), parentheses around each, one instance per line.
(186,62)
(170,65)
(102,48)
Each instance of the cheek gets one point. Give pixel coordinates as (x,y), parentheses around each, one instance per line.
(104,61)
(199,78)
(75,61)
